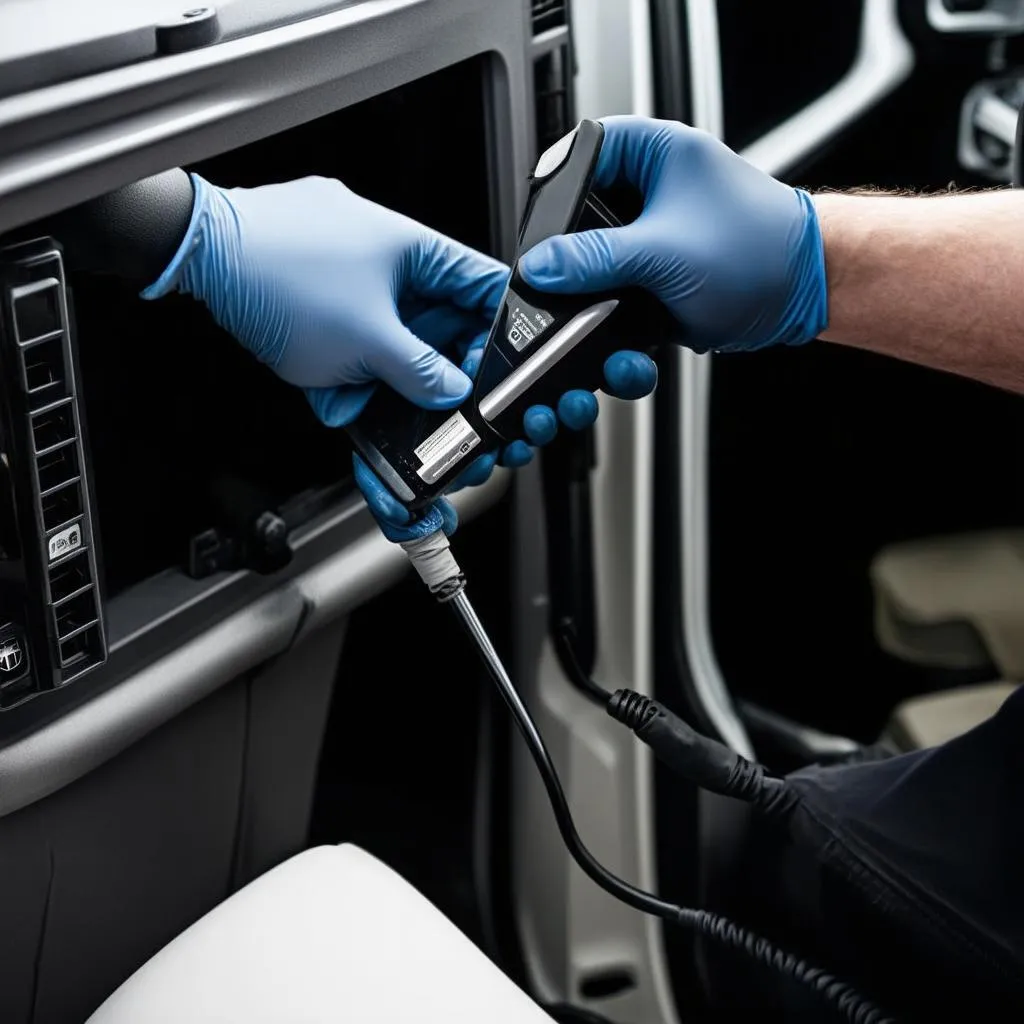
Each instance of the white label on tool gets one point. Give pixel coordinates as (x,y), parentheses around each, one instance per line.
(452,441)
(66,541)
(525,322)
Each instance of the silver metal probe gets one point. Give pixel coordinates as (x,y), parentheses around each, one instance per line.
(461,603)
(433,559)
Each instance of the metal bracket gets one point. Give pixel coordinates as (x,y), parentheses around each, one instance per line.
(988,127)
(982,17)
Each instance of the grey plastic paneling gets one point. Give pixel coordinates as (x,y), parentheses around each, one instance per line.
(571,931)
(70,142)
(67,143)
(286,714)
(44,42)
(57,753)
(41,762)
(99,876)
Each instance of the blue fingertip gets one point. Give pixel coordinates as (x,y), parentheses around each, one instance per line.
(384,506)
(449,516)
(517,455)
(430,520)
(539,265)
(393,518)
(479,341)
(630,375)
(475,474)
(437,325)
(471,363)
(338,407)
(455,387)
(577,409)
(540,424)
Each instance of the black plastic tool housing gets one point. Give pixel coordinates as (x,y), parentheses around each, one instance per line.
(540,344)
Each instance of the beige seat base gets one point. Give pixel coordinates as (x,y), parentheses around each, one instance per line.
(331,935)
(954,602)
(934,718)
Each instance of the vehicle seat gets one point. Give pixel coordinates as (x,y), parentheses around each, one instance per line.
(952,603)
(934,718)
(330,935)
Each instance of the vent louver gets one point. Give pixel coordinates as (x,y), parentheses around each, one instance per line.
(548,14)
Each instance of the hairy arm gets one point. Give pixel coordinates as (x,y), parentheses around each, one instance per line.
(934,280)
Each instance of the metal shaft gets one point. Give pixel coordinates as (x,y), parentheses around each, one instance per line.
(474,627)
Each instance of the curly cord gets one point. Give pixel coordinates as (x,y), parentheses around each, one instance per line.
(847,1001)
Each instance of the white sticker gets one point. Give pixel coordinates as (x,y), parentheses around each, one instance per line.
(526,323)
(66,541)
(452,441)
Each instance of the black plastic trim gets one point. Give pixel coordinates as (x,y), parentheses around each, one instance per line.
(670,42)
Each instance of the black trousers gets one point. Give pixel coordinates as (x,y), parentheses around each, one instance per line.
(903,875)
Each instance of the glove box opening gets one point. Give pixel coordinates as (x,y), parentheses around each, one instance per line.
(182,420)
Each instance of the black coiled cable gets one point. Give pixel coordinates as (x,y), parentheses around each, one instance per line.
(852,1006)
(844,998)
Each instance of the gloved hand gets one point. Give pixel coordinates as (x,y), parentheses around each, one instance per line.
(333,292)
(323,286)
(628,375)
(736,255)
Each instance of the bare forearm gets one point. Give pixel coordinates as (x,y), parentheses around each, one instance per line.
(935,280)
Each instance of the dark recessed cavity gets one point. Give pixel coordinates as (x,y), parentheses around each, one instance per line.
(607,983)
(75,613)
(61,507)
(37,313)
(58,467)
(53,427)
(69,577)
(44,366)
(80,651)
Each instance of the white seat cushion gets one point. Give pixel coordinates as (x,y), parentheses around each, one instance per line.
(332,935)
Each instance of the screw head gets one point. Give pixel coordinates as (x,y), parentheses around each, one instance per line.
(195,12)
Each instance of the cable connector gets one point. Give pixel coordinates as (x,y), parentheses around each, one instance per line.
(432,558)
(699,759)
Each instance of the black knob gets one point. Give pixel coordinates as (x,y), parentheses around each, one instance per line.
(254,532)
(195,27)
(270,531)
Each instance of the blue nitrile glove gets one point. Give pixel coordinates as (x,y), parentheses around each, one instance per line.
(333,292)
(313,280)
(628,375)
(736,255)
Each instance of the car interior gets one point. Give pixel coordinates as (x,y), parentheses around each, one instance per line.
(880,481)
(240,746)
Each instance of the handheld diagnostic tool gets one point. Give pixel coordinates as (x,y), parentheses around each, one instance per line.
(540,344)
